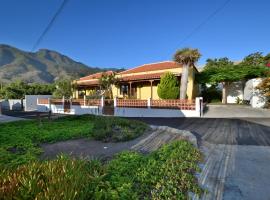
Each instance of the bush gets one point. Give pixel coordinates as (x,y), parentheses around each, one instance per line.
(168,88)
(63,178)
(211,94)
(117,129)
(167,173)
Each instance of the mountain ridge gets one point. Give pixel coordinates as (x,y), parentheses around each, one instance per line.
(42,66)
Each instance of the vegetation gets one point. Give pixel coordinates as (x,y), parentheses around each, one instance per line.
(211,94)
(106,81)
(63,88)
(168,173)
(187,57)
(264,87)
(117,129)
(18,90)
(168,88)
(19,140)
(225,71)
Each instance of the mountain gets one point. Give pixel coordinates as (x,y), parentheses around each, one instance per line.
(43,66)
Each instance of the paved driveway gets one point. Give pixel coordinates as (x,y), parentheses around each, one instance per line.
(237,155)
(6,118)
(235,111)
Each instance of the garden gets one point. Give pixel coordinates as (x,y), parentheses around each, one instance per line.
(167,173)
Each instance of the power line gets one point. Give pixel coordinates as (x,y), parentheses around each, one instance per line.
(197,28)
(50,24)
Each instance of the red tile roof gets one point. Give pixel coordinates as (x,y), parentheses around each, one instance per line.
(95,76)
(153,67)
(143,76)
(88,82)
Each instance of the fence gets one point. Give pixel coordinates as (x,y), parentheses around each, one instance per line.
(133,103)
(126,107)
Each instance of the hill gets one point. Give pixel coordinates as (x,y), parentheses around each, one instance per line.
(43,66)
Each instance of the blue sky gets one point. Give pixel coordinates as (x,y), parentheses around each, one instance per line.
(127,33)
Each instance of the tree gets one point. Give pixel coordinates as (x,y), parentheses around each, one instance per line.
(224,71)
(187,57)
(221,71)
(63,88)
(15,90)
(168,88)
(106,81)
(254,59)
(254,65)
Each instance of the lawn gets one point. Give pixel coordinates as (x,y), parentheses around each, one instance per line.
(19,141)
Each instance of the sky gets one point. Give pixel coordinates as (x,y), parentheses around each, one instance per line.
(128,33)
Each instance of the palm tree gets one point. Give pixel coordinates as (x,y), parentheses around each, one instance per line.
(187,57)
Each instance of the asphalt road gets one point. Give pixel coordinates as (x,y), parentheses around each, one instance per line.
(237,155)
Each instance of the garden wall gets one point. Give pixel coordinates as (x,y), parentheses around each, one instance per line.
(12,104)
(154,112)
(31,101)
(246,91)
(124,108)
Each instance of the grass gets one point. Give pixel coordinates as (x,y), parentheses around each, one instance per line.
(168,173)
(19,141)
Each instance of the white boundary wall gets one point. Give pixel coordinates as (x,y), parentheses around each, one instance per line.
(125,111)
(154,112)
(31,101)
(12,104)
(74,109)
(246,91)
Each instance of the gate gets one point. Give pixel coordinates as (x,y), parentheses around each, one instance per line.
(108,107)
(67,103)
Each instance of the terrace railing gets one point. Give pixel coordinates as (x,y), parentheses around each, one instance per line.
(135,103)
(181,104)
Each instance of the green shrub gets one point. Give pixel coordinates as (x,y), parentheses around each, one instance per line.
(211,94)
(168,173)
(168,88)
(117,129)
(63,178)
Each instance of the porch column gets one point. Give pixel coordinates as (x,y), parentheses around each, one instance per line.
(130,89)
(151,82)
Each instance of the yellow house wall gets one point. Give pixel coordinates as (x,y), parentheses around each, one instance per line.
(144,92)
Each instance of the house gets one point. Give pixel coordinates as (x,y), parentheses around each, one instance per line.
(139,82)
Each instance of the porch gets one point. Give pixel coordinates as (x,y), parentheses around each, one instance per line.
(139,86)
